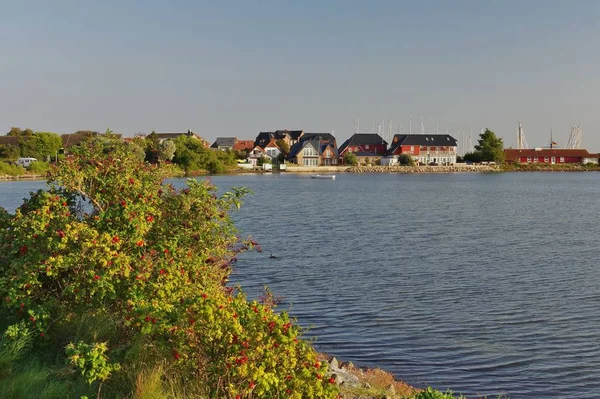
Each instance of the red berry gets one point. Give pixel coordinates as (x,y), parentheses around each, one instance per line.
(96,277)
(251,385)
(150,218)
(140,243)
(116,239)
(332,380)
(148,318)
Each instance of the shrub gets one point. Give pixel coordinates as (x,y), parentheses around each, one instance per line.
(350,159)
(130,274)
(8,169)
(406,160)
(39,168)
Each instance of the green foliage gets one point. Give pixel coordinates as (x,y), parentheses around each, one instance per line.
(167,150)
(283,146)
(39,168)
(111,263)
(490,147)
(9,152)
(431,393)
(41,145)
(192,156)
(17,131)
(475,157)
(91,360)
(9,169)
(406,160)
(350,158)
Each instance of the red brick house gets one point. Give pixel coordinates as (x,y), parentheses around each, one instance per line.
(550,156)
(425,148)
(364,145)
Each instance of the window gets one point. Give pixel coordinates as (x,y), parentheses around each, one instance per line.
(310,162)
(528,159)
(309,151)
(412,148)
(366,146)
(534,159)
(546,159)
(433,149)
(426,138)
(562,159)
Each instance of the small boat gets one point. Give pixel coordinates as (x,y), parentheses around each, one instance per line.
(330,177)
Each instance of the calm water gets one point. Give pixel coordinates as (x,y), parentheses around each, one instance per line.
(482,283)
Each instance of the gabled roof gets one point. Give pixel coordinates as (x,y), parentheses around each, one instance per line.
(271,143)
(512,154)
(428,140)
(243,145)
(360,139)
(263,138)
(318,145)
(224,142)
(324,137)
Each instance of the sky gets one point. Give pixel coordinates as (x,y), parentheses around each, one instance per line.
(235,68)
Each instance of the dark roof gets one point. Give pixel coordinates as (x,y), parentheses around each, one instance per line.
(429,140)
(224,142)
(324,137)
(512,154)
(12,140)
(360,139)
(294,134)
(319,145)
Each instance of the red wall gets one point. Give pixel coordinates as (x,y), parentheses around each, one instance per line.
(541,160)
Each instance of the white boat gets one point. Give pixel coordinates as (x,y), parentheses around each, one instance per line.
(330,177)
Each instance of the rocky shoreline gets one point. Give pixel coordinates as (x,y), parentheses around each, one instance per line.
(365,383)
(424,169)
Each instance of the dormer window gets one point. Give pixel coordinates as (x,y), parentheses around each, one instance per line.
(426,138)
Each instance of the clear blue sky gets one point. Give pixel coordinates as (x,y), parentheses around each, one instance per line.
(226,68)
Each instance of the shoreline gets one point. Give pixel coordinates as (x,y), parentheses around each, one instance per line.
(456,168)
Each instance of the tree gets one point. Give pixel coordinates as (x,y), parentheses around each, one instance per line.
(152,148)
(15,131)
(475,157)
(129,275)
(350,158)
(490,147)
(406,160)
(41,145)
(167,150)
(283,146)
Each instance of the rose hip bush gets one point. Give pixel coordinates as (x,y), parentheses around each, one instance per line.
(108,246)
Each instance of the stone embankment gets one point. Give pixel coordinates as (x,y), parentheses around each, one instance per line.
(424,169)
(22,177)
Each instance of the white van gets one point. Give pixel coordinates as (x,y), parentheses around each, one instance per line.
(25,162)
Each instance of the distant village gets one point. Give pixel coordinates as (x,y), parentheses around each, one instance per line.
(321,149)
(274,150)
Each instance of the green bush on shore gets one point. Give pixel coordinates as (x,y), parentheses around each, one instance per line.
(114,285)
(10,169)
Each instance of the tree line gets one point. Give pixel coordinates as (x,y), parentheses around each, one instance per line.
(187,152)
